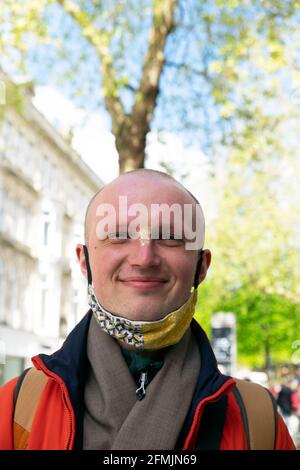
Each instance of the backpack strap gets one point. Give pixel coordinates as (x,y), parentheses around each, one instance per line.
(259,414)
(27,395)
(18,386)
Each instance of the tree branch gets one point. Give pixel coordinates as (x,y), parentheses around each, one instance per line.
(162,25)
(100,40)
(187,68)
(130,87)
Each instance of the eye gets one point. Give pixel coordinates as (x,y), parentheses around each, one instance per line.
(170,240)
(118,237)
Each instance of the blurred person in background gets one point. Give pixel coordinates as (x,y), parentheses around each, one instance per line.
(284,399)
(295,399)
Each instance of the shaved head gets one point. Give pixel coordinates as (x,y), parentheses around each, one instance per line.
(143,172)
(88,216)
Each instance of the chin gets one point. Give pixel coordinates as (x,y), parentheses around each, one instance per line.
(146,315)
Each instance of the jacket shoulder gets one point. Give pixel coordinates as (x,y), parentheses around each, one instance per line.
(6,414)
(283,439)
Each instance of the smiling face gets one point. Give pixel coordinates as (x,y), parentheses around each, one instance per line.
(141,279)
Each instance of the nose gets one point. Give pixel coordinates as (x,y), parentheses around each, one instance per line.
(144,254)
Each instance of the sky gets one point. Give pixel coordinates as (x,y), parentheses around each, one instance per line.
(95,143)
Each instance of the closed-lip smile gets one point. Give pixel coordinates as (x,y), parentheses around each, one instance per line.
(143,281)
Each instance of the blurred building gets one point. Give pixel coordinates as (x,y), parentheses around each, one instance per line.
(44,190)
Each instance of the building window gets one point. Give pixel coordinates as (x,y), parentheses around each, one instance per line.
(3,208)
(27,225)
(15,229)
(46,172)
(21,224)
(13,319)
(20,150)
(29,154)
(44,298)
(46,228)
(36,167)
(52,177)
(12,145)
(46,232)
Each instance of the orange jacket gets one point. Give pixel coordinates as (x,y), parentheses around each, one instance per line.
(58,422)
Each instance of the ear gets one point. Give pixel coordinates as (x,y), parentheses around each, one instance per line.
(81,259)
(206,260)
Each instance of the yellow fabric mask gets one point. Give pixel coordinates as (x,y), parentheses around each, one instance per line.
(145,335)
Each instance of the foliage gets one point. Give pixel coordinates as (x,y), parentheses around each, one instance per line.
(262,319)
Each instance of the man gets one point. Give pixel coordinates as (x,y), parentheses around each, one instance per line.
(137,372)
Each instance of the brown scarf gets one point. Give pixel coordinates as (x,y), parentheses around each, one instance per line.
(114,418)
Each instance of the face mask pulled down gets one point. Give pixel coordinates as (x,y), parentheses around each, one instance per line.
(145,335)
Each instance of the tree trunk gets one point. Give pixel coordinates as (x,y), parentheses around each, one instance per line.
(131,143)
(268,359)
(130,159)
(132,133)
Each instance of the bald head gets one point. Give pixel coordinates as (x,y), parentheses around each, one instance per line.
(129,179)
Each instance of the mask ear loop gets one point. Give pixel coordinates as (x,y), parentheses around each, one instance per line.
(88,267)
(198,269)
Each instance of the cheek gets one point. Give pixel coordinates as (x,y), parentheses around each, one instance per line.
(104,264)
(183,267)
(187,273)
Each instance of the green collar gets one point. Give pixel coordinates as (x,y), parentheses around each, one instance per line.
(138,363)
